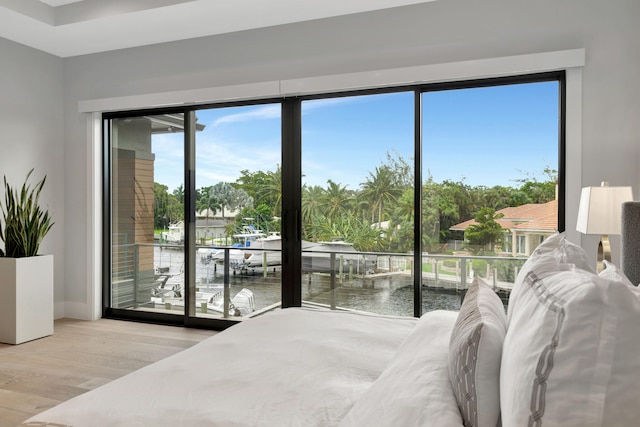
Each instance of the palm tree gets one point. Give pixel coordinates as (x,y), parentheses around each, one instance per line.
(272,190)
(336,199)
(486,232)
(381,188)
(351,228)
(399,234)
(227,196)
(206,202)
(311,205)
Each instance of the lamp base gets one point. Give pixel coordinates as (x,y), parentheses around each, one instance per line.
(604,252)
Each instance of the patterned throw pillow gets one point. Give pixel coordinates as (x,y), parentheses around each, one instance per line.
(475,350)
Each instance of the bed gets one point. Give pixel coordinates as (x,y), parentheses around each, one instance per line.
(565,354)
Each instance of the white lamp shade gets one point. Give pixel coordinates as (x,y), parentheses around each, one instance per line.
(600,209)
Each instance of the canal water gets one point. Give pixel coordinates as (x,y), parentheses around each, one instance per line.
(389,295)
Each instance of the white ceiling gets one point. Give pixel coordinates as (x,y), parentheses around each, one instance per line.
(76,27)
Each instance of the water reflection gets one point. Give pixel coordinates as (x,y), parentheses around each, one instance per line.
(389,295)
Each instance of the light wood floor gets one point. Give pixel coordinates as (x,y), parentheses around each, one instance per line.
(78,357)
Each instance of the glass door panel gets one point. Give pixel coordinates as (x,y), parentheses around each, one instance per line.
(490,168)
(357,203)
(147,161)
(237,211)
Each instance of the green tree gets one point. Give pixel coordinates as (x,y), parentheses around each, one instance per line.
(455,204)
(254,183)
(336,199)
(539,191)
(348,227)
(167,208)
(179,193)
(160,206)
(399,234)
(260,217)
(402,170)
(486,232)
(226,196)
(271,190)
(496,197)
(431,216)
(311,207)
(204,202)
(380,189)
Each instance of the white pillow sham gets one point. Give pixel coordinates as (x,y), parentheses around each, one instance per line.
(555,253)
(570,356)
(414,389)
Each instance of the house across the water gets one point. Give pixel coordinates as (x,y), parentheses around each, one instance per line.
(526,226)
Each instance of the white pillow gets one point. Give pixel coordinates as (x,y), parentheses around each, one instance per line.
(555,253)
(475,351)
(612,272)
(414,389)
(571,356)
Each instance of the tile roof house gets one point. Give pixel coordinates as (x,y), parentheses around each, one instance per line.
(528,225)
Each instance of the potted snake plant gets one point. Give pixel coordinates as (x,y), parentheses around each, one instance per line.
(26,277)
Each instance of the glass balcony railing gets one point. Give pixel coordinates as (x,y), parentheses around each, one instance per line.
(243,282)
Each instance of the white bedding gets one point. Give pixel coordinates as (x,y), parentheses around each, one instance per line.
(263,372)
(414,389)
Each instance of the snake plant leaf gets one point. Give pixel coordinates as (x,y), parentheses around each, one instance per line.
(24,222)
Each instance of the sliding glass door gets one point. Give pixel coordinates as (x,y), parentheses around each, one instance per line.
(147,213)
(203,244)
(387,201)
(490,183)
(237,211)
(357,202)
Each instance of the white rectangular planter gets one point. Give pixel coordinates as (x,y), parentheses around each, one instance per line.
(26,298)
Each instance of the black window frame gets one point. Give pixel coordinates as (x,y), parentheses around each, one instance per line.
(291,150)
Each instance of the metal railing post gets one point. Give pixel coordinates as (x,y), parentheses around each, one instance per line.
(463,273)
(226,290)
(264,264)
(136,275)
(332,267)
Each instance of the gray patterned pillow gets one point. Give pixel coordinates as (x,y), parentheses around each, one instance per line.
(475,350)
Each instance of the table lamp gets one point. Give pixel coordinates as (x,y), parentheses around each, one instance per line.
(600,212)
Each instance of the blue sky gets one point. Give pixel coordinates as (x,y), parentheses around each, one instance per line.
(484,136)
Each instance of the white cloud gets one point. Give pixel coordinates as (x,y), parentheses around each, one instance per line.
(271,111)
(308,106)
(221,160)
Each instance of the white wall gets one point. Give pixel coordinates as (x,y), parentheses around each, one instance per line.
(31,135)
(437,32)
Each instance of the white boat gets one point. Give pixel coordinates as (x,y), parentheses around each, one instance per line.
(175,234)
(248,236)
(242,259)
(316,257)
(264,251)
(260,250)
(236,256)
(242,304)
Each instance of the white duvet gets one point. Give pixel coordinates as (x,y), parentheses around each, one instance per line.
(293,367)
